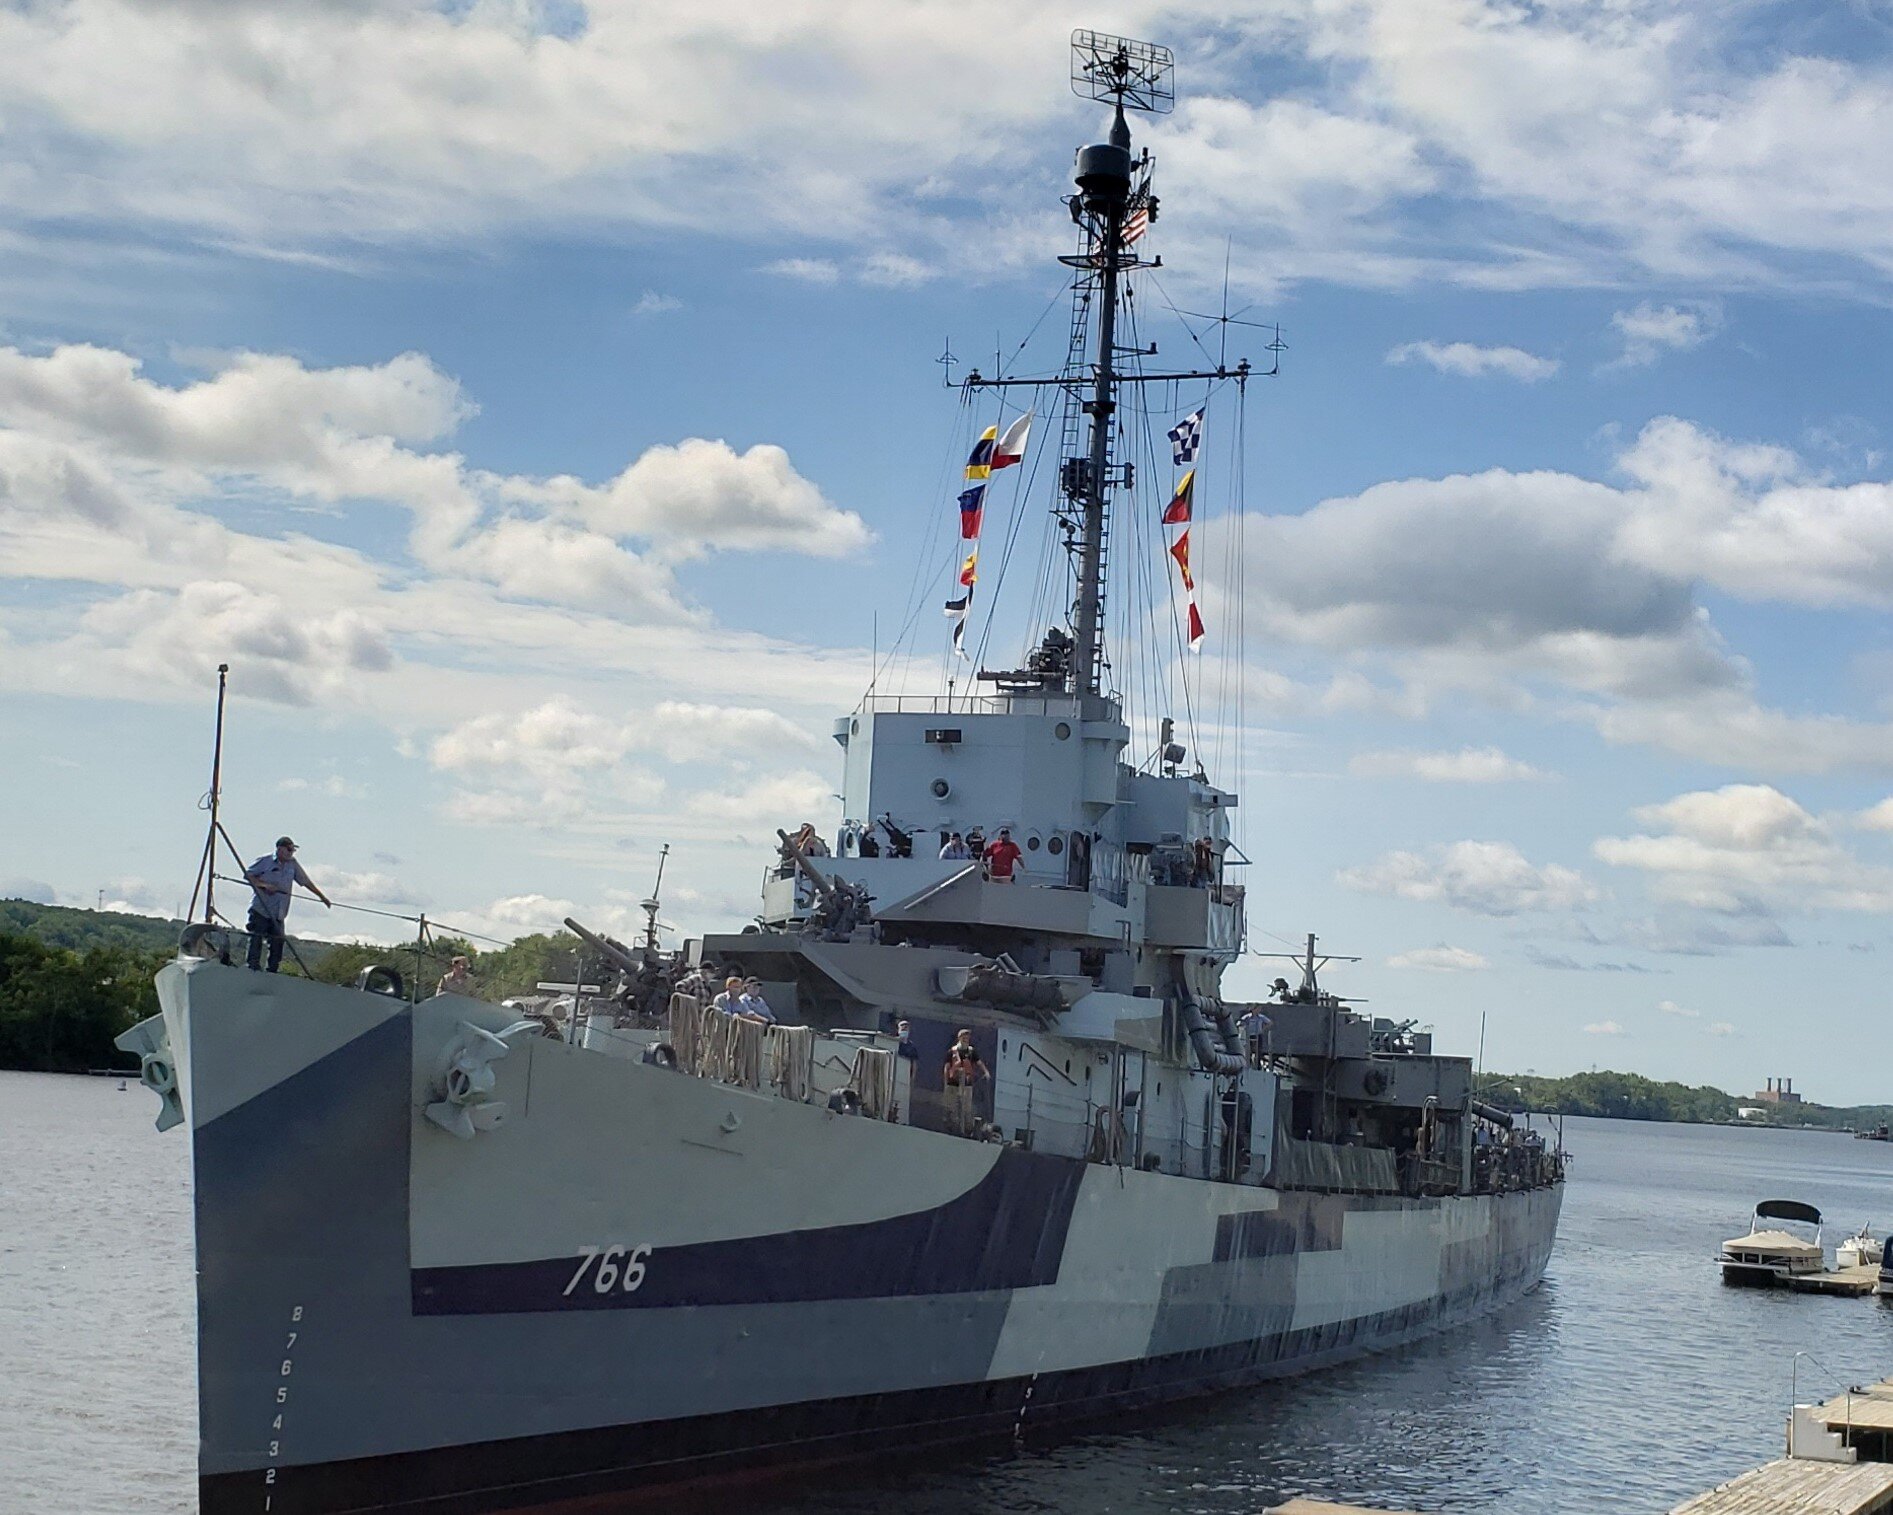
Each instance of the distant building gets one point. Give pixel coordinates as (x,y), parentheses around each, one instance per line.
(1780,1091)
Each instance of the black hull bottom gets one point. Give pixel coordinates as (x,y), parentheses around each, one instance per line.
(625,1466)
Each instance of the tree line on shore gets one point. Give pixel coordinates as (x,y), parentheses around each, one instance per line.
(72,980)
(1630,1096)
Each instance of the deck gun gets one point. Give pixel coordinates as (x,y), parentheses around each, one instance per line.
(841,905)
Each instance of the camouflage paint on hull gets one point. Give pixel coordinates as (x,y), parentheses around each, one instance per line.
(385,1321)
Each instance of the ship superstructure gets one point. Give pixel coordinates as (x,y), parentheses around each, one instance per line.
(448,1262)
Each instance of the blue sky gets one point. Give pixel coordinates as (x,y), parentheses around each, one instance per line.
(536,404)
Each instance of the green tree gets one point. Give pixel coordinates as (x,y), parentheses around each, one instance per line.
(60,1009)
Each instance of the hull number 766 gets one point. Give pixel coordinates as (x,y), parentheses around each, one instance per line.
(618,1268)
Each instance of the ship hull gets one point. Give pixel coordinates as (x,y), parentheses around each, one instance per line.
(395,1319)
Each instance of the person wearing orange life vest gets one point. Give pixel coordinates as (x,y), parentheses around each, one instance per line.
(964,1069)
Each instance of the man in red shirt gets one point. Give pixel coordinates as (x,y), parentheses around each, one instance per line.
(1001,853)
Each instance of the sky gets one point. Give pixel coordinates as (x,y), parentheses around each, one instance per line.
(536,405)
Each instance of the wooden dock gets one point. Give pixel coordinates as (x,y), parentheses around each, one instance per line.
(1860,1280)
(1319,1507)
(1789,1487)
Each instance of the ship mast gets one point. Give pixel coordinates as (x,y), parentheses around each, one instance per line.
(1104,175)
(1129,75)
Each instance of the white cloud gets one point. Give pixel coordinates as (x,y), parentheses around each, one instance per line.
(699,494)
(1648,331)
(805,270)
(1469,361)
(1495,584)
(1470,765)
(287,656)
(370,887)
(1670,1007)
(686,732)
(551,742)
(785,800)
(333,785)
(1487,878)
(1722,1028)
(1877,817)
(92,443)
(1604,1028)
(1497,145)
(654,303)
(1746,850)
(1440,959)
(892,270)
(17,887)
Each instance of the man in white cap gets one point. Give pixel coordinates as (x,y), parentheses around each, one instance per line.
(273,880)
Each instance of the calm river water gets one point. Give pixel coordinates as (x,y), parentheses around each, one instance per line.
(1630,1380)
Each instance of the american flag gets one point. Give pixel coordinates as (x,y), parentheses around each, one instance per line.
(1138,215)
(1185,437)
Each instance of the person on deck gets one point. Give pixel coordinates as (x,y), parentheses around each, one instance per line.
(1255,1034)
(909,1055)
(1001,854)
(730,1001)
(955,849)
(752,1006)
(964,1068)
(272,880)
(456,980)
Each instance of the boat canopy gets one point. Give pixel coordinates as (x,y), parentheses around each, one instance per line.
(1788,1209)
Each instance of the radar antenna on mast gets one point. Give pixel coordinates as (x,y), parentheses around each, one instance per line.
(1112,209)
(1133,75)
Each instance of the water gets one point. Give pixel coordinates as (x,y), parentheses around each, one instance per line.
(1631,1380)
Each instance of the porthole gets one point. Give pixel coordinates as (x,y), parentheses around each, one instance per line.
(1031,844)
(1062,731)
(941,789)
(1055,846)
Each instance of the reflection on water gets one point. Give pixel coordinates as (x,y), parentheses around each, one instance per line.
(1631,1380)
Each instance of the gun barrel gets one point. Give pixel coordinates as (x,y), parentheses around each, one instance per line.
(598,943)
(824,886)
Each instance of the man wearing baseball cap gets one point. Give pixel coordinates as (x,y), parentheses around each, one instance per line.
(273,880)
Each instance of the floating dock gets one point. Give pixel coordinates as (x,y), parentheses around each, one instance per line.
(1858,1280)
(1794,1487)
(1319,1507)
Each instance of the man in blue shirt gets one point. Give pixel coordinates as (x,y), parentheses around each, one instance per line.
(273,879)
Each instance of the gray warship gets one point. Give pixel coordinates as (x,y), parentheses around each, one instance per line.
(447,1262)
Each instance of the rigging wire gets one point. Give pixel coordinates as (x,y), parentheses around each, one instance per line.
(1021,495)
(918,593)
(393,916)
